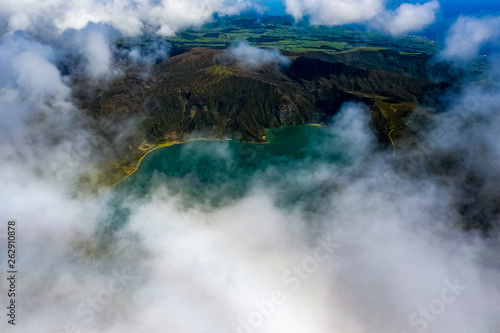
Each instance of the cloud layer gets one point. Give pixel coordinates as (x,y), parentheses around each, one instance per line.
(130,17)
(50,18)
(252,57)
(406,18)
(338,12)
(467,35)
(380,250)
(373,243)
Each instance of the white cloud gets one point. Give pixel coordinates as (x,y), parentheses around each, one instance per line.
(194,270)
(97,53)
(94,43)
(165,16)
(406,18)
(253,57)
(31,85)
(334,12)
(395,246)
(467,35)
(158,48)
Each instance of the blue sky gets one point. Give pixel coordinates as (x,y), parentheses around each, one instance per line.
(449,11)
(454,8)
(449,8)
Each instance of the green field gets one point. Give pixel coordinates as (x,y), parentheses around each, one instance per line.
(283,33)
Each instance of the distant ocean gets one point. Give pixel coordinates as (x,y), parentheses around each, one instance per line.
(450,11)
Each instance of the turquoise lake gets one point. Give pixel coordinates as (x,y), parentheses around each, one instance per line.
(210,174)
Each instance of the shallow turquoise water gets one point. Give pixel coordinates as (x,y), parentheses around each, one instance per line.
(195,168)
(210,174)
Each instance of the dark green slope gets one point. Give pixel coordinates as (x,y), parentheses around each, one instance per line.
(195,92)
(201,92)
(406,64)
(224,100)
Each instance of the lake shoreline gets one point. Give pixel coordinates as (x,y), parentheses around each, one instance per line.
(174,143)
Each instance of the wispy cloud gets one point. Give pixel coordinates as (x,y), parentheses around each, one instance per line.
(396,217)
(467,35)
(252,57)
(406,18)
(337,12)
(130,17)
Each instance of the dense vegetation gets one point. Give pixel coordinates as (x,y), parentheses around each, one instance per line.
(199,91)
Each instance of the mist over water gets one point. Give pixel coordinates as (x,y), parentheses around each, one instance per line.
(317,230)
(217,173)
(320,232)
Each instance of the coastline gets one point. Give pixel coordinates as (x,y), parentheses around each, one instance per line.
(159,146)
(173,143)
